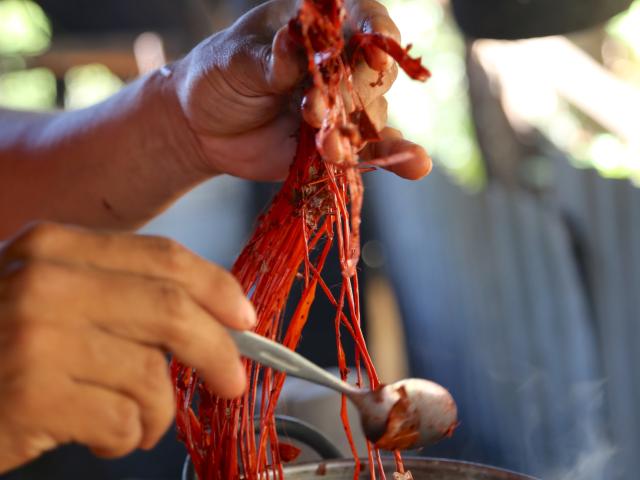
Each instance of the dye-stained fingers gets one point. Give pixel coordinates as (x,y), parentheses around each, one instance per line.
(378,112)
(367,86)
(417,165)
(336,145)
(210,285)
(287,65)
(314,107)
(370,16)
(373,76)
(376,58)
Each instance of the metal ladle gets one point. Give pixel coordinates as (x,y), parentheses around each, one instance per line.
(407,414)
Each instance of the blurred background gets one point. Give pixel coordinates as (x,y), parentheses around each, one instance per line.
(511,275)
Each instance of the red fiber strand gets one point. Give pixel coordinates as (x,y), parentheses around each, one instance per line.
(317,209)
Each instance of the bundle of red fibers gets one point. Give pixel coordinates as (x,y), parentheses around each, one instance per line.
(318,207)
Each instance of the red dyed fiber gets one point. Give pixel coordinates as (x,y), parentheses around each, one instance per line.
(318,208)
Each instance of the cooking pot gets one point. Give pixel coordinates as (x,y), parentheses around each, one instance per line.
(334,468)
(421,469)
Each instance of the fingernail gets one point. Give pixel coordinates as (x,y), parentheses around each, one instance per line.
(250,317)
(333,147)
(377,59)
(239,380)
(313,108)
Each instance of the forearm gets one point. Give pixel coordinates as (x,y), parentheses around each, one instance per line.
(114,165)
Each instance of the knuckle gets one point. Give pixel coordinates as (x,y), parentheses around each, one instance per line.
(264,56)
(155,372)
(160,414)
(177,308)
(29,279)
(174,300)
(177,335)
(125,432)
(174,256)
(226,281)
(35,239)
(164,410)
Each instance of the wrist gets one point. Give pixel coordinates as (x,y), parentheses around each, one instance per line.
(182,143)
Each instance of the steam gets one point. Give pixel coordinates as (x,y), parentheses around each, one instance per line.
(596,458)
(590,465)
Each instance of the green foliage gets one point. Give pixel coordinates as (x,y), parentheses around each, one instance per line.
(626,28)
(24,28)
(89,84)
(33,89)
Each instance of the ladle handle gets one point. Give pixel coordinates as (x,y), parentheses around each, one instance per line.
(279,357)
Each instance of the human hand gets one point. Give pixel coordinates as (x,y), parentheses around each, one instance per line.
(239,91)
(85,321)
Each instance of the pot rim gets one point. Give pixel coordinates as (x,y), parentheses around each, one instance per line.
(414,462)
(410,462)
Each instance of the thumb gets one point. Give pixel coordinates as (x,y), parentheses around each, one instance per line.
(286,66)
